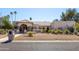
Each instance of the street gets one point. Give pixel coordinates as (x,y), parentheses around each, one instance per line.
(40,46)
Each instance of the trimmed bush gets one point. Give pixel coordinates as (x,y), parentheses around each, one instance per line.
(30,34)
(49,31)
(57,31)
(66,31)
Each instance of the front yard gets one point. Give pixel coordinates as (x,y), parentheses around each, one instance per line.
(45,36)
(2,36)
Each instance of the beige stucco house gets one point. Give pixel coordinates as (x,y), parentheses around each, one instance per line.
(26,25)
(40,25)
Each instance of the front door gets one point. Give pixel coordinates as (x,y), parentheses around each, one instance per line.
(23,28)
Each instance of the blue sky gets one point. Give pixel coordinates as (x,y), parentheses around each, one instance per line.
(37,14)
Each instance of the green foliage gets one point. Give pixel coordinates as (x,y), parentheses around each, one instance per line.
(57,31)
(76,17)
(68,15)
(49,31)
(77,26)
(30,34)
(71,29)
(2,31)
(66,31)
(30,18)
(6,23)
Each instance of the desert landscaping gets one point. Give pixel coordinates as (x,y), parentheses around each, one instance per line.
(46,36)
(65,28)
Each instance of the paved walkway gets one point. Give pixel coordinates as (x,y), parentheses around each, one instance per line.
(6,38)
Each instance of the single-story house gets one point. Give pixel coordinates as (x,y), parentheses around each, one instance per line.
(26,25)
(40,25)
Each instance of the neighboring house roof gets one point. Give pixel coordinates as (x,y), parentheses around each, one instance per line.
(40,23)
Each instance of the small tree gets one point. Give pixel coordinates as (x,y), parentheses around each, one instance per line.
(68,15)
(6,23)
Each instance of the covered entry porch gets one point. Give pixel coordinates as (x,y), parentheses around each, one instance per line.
(24,26)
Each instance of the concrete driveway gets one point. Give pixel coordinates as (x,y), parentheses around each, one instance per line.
(40,46)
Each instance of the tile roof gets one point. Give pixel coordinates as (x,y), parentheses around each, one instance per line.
(42,23)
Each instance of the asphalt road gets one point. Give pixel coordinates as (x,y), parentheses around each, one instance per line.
(40,46)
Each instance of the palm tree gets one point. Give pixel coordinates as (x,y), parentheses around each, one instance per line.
(11,16)
(15,19)
(32,25)
(15,14)
(30,18)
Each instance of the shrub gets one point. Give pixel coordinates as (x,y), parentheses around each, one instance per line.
(53,31)
(2,31)
(49,31)
(57,31)
(66,31)
(71,29)
(30,34)
(77,26)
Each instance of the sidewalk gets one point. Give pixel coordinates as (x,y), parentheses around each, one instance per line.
(45,41)
(6,38)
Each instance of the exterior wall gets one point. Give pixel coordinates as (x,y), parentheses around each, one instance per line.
(62,24)
(26,23)
(40,26)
